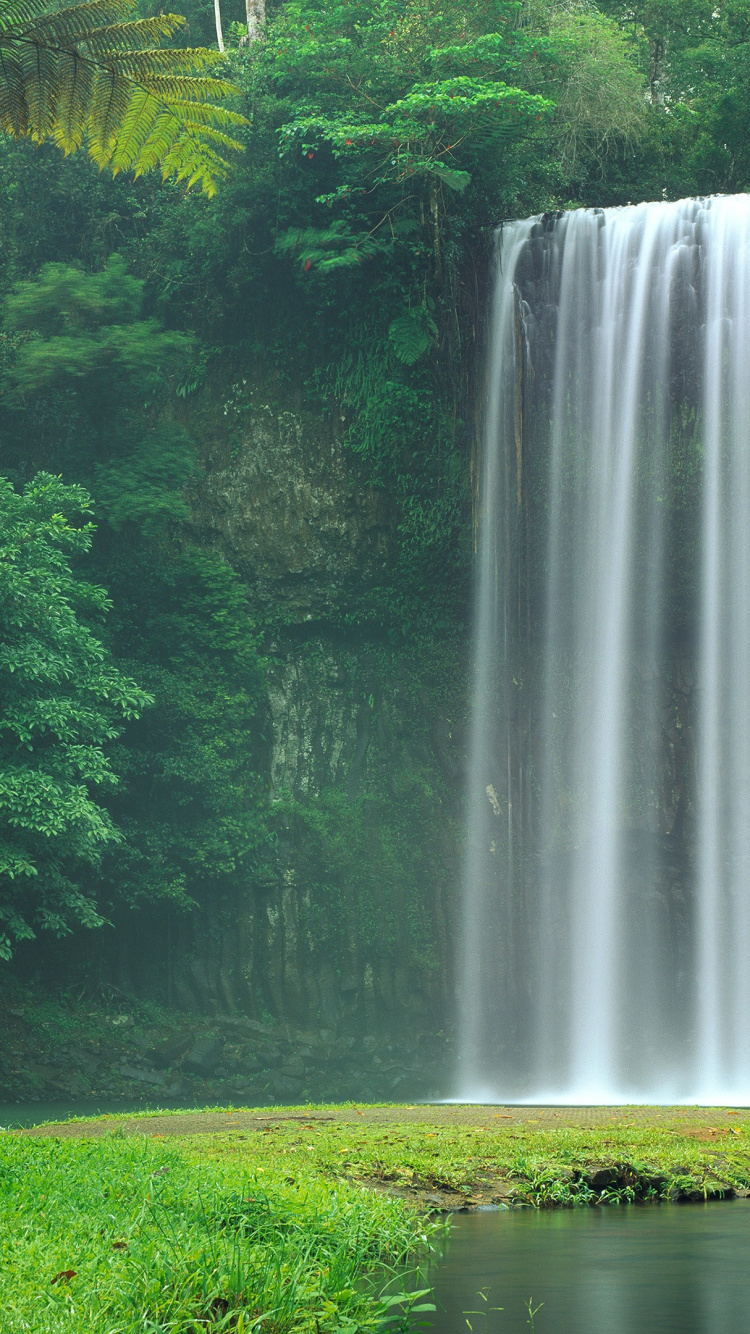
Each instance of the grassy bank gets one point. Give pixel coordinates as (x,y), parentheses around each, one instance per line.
(272,1219)
(452,1157)
(122,1234)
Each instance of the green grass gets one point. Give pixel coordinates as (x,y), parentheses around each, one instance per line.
(162,1243)
(276,1228)
(548,1167)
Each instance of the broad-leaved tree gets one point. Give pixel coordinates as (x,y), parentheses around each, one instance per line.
(62,702)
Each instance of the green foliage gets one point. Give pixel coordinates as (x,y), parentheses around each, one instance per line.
(90,75)
(192,806)
(327,248)
(129,1233)
(694,54)
(379,172)
(146,489)
(93,370)
(81,326)
(412,334)
(599,94)
(63,703)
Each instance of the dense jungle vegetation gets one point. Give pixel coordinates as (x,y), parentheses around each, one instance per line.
(341,267)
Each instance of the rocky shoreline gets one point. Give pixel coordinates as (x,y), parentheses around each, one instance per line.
(225,1059)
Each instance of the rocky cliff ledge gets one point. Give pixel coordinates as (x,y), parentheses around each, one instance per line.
(360,749)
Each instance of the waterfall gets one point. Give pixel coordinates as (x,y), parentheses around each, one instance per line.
(605,931)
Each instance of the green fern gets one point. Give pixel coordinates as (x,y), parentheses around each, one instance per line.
(333,247)
(412,334)
(90,76)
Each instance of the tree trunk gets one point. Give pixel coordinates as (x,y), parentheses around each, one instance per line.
(217,16)
(435,211)
(656,71)
(256,18)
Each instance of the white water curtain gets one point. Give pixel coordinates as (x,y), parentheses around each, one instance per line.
(605,948)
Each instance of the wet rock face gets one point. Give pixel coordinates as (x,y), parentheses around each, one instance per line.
(348,927)
(290,507)
(343,922)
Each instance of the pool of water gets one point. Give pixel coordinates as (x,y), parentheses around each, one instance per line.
(670,1269)
(14,1115)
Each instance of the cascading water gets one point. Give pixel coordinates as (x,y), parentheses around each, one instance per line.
(605,950)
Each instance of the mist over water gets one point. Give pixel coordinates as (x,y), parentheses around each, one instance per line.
(605,950)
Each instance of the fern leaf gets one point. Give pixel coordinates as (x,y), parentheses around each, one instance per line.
(141,35)
(19,11)
(72,103)
(412,334)
(89,74)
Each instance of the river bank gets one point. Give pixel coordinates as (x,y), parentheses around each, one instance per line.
(131,1233)
(450,1157)
(197,1220)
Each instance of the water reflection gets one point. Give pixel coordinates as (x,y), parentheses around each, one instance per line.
(640,1270)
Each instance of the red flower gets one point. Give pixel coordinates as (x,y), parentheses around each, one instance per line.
(308,264)
(311,155)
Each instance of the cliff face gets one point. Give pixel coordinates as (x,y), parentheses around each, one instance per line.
(283,499)
(350,927)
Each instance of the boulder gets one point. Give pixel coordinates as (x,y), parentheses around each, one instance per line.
(293,1067)
(203,1057)
(600,1176)
(286,1087)
(170,1051)
(269,1057)
(249,1064)
(176,1088)
(142,1076)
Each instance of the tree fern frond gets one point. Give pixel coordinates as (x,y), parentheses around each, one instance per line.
(72,104)
(182,97)
(13,116)
(65,27)
(111,44)
(15,12)
(134,130)
(110,98)
(89,75)
(140,35)
(175,87)
(41,90)
(200,116)
(74,18)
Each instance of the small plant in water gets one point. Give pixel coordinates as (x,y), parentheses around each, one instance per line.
(484,1311)
(532,1310)
(403,1306)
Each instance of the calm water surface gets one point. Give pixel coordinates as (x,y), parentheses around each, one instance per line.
(674,1269)
(15,1115)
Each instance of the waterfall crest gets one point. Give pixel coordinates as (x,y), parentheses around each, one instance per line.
(605,950)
